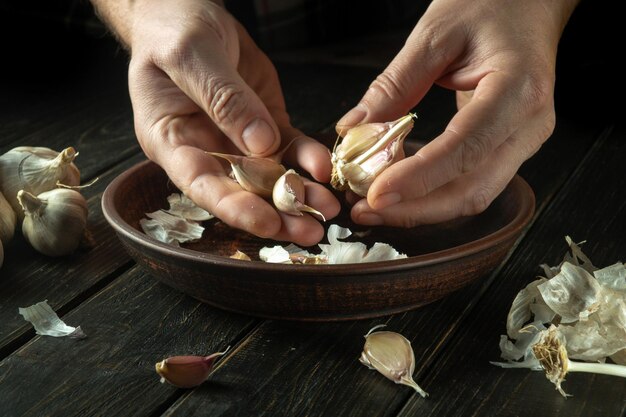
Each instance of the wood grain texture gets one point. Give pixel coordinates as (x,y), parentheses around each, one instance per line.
(28,277)
(131,325)
(325,378)
(462,379)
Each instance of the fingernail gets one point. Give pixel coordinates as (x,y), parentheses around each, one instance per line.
(386,200)
(353,117)
(370,219)
(258,136)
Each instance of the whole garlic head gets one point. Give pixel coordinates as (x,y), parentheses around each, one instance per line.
(55,221)
(8,220)
(367,150)
(35,170)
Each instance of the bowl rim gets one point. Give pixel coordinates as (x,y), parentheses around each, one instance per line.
(522,218)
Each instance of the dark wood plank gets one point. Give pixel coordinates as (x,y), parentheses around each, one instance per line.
(131,325)
(28,277)
(462,382)
(322,375)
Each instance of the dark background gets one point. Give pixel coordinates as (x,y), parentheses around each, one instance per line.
(49,43)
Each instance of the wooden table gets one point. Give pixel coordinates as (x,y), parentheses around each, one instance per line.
(279,368)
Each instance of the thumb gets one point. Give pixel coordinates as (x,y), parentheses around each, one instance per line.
(423,59)
(208,75)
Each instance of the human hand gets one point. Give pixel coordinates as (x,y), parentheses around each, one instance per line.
(500,57)
(199,83)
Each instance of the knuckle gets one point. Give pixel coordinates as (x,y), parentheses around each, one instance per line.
(225,99)
(477,201)
(389,84)
(473,150)
(538,92)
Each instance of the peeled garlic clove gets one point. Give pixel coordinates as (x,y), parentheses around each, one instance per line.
(35,169)
(366,151)
(257,175)
(186,371)
(8,220)
(288,195)
(390,354)
(55,220)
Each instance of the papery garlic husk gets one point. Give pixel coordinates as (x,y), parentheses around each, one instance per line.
(257,175)
(55,220)
(8,220)
(288,195)
(35,169)
(367,150)
(186,371)
(390,354)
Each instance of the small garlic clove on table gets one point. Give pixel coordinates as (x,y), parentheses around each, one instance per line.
(391,354)
(186,371)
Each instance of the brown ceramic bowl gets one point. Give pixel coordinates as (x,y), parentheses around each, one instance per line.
(442,257)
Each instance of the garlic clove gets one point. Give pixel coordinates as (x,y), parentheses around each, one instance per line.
(288,195)
(8,219)
(186,371)
(257,175)
(390,354)
(366,151)
(36,170)
(55,221)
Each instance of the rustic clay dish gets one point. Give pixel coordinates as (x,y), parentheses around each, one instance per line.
(442,258)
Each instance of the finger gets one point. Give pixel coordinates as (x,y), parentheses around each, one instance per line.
(424,58)
(207,73)
(495,112)
(321,199)
(468,194)
(308,154)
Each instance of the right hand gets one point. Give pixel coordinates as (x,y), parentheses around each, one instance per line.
(199,83)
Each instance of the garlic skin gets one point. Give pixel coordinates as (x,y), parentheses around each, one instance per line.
(8,219)
(55,220)
(367,150)
(288,195)
(257,175)
(186,371)
(390,354)
(35,170)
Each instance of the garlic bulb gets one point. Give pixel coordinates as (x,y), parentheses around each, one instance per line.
(257,175)
(55,220)
(367,150)
(7,220)
(288,195)
(35,170)
(390,354)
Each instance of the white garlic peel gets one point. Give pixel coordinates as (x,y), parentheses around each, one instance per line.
(288,195)
(171,229)
(390,354)
(35,170)
(8,220)
(55,221)
(366,151)
(47,323)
